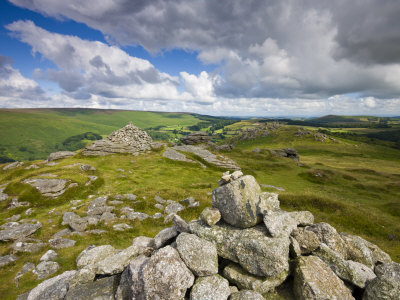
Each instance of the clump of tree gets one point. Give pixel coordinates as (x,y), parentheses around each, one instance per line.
(79,141)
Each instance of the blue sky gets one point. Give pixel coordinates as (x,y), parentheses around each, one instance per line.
(258,58)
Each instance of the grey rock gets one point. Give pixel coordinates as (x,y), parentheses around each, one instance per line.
(52,289)
(143,243)
(307,240)
(175,155)
(29,211)
(130,197)
(75,222)
(159,206)
(3,196)
(121,227)
(353,272)
(7,259)
(45,269)
(163,276)
(86,168)
(180,224)
(244,280)
(212,287)
(164,236)
(246,295)
(99,206)
(257,253)
(62,233)
(313,279)
(173,208)
(14,218)
(91,256)
(210,216)
(281,189)
(159,199)
(188,201)
(106,217)
(157,216)
(194,204)
(199,255)
(19,231)
(28,267)
(328,235)
(13,165)
(101,289)
(137,215)
(48,187)
(116,202)
(59,243)
(27,246)
(283,223)
(386,285)
(196,137)
(60,155)
(237,202)
(49,255)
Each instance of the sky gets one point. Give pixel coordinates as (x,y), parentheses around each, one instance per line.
(219,57)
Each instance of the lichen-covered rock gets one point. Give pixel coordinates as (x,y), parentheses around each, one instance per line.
(49,255)
(313,279)
(210,216)
(163,276)
(60,155)
(27,245)
(244,280)
(137,215)
(196,137)
(173,208)
(246,295)
(386,286)
(237,202)
(13,165)
(180,224)
(268,203)
(99,206)
(199,255)
(307,240)
(175,155)
(48,187)
(86,168)
(257,253)
(45,269)
(52,289)
(212,287)
(351,271)
(74,221)
(328,235)
(60,243)
(164,236)
(19,231)
(102,288)
(281,223)
(7,259)
(92,256)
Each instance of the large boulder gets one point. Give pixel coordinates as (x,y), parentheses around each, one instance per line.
(257,253)
(282,223)
(386,286)
(199,255)
(238,202)
(212,287)
(313,279)
(194,138)
(48,187)
(162,276)
(19,231)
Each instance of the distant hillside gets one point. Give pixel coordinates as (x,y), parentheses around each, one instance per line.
(27,134)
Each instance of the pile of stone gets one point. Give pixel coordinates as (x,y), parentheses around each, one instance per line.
(243,247)
(129,139)
(194,138)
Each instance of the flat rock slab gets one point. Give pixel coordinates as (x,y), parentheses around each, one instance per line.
(175,155)
(211,158)
(60,155)
(7,259)
(60,243)
(103,288)
(48,187)
(19,231)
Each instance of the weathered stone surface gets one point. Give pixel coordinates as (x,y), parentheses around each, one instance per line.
(164,236)
(45,269)
(195,138)
(212,287)
(199,255)
(211,158)
(99,206)
(60,243)
(91,256)
(268,203)
(130,197)
(353,272)
(237,202)
(281,223)
(175,155)
(62,233)
(244,280)
(60,155)
(14,218)
(75,222)
(328,235)
(256,252)
(86,168)
(129,139)
(163,276)
(27,245)
(173,208)
(386,286)
(48,187)
(13,165)
(19,231)
(137,215)
(49,255)
(160,199)
(246,295)
(364,252)
(106,217)
(143,243)
(307,240)
(3,196)
(180,224)
(52,289)
(101,289)
(7,259)
(210,216)
(121,227)
(313,279)
(28,267)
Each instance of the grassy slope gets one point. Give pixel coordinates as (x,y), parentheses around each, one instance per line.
(41,129)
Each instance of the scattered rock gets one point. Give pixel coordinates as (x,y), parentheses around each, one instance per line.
(137,215)
(164,236)
(26,246)
(3,196)
(307,240)
(19,231)
(86,168)
(157,216)
(210,216)
(48,187)
(14,218)
(180,224)
(121,227)
(130,197)
(28,267)
(99,206)
(93,255)
(280,223)
(33,166)
(116,202)
(102,288)
(60,155)
(59,243)
(188,201)
(49,255)
(13,165)
(213,287)
(75,222)
(199,255)
(315,280)
(159,206)
(286,152)
(386,285)
(45,269)
(7,259)
(107,217)
(173,208)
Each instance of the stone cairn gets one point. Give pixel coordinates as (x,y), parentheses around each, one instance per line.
(129,139)
(241,248)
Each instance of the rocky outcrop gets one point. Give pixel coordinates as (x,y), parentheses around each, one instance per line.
(245,241)
(48,187)
(18,231)
(194,138)
(60,155)
(129,139)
